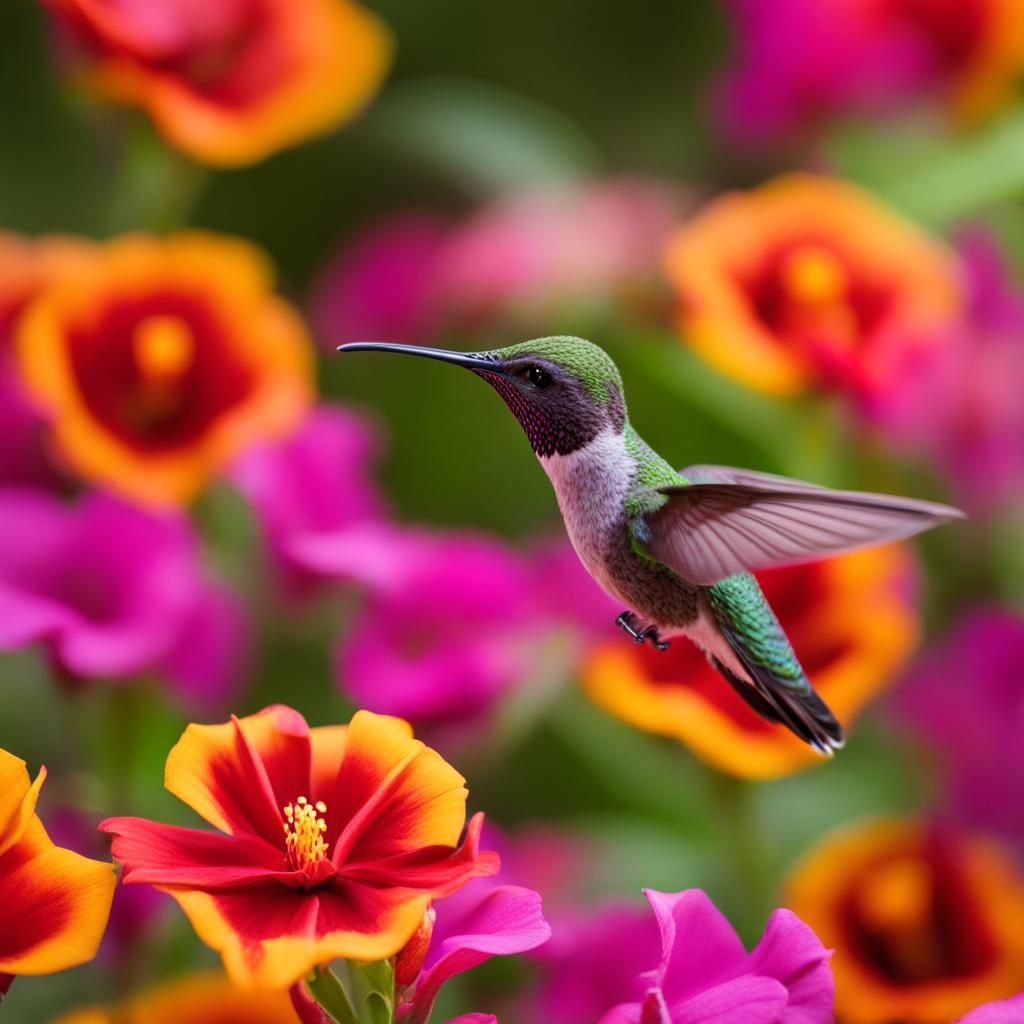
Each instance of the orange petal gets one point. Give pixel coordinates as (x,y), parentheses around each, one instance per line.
(17,798)
(54,905)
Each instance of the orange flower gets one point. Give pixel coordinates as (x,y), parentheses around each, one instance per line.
(332,842)
(159,360)
(926,924)
(196,999)
(232,81)
(851,624)
(54,904)
(809,282)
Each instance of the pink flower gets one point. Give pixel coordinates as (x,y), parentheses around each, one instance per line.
(469,929)
(966,698)
(799,62)
(1005,1011)
(706,975)
(447,623)
(111,591)
(520,259)
(313,486)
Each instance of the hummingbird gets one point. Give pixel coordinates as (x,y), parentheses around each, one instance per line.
(678,548)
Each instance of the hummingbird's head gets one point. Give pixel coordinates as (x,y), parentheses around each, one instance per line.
(564,391)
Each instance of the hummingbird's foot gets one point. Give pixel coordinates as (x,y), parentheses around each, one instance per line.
(639,634)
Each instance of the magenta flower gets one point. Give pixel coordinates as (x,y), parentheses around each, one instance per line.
(959,403)
(312,486)
(468,929)
(522,258)
(111,591)
(968,689)
(447,624)
(800,62)
(706,975)
(1005,1011)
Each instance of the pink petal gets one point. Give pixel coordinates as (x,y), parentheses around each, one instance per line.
(750,1000)
(1006,1011)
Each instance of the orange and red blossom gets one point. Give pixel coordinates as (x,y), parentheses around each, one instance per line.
(852,624)
(158,360)
(54,903)
(926,922)
(232,81)
(193,999)
(810,283)
(333,841)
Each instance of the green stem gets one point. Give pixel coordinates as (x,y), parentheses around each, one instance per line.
(330,994)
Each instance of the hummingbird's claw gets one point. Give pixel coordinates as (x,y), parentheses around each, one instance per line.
(627,622)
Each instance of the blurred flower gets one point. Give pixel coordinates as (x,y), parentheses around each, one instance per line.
(706,974)
(54,904)
(234,81)
(447,626)
(595,959)
(160,360)
(310,488)
(800,62)
(852,623)
(926,923)
(497,921)
(193,999)
(1006,1011)
(809,282)
(112,591)
(25,268)
(966,697)
(336,841)
(961,405)
(521,260)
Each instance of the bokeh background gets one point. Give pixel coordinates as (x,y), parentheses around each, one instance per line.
(534,169)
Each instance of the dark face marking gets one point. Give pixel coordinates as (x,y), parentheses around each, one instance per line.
(553,407)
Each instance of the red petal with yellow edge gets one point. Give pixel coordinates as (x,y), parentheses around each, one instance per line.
(434,871)
(54,905)
(17,798)
(393,794)
(164,855)
(240,774)
(270,938)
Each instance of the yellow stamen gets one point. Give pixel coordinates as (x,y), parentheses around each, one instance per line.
(813,275)
(164,347)
(898,896)
(304,830)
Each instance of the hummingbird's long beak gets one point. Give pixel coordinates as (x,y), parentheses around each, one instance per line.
(470,360)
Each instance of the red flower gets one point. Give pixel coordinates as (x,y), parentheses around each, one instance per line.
(336,841)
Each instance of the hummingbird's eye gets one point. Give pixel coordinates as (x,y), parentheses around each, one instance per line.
(538,377)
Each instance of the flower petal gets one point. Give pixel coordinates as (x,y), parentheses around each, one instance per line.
(165,855)
(751,1000)
(790,952)
(699,945)
(54,905)
(17,799)
(506,920)
(474,1018)
(1006,1011)
(238,775)
(394,794)
(272,937)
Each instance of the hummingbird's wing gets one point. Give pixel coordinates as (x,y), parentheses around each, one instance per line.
(736,520)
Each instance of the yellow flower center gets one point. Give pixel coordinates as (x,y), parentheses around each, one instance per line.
(304,830)
(164,347)
(814,276)
(898,896)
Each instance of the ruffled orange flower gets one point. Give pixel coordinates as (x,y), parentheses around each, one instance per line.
(159,360)
(809,282)
(54,903)
(334,840)
(232,81)
(851,623)
(197,999)
(926,924)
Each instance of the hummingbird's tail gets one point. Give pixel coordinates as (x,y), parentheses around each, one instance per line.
(775,685)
